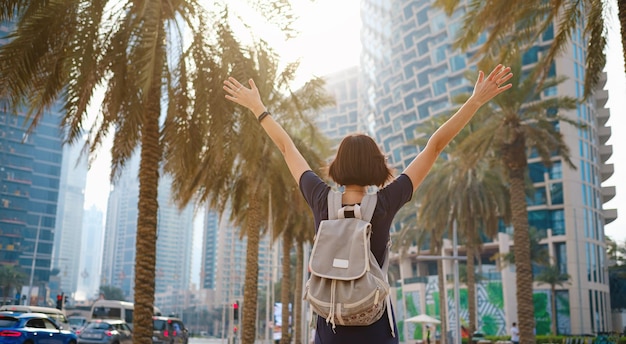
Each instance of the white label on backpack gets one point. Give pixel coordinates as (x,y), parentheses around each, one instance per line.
(340,263)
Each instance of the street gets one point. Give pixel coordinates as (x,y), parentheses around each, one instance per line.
(206,341)
(210,341)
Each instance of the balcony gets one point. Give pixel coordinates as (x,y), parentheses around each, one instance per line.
(602,116)
(604,134)
(605,152)
(601,96)
(610,215)
(606,171)
(608,192)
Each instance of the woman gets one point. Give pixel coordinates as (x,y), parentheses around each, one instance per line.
(358,164)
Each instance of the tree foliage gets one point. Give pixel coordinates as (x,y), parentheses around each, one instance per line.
(110,292)
(157,62)
(510,28)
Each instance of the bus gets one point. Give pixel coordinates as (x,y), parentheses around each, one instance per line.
(113,309)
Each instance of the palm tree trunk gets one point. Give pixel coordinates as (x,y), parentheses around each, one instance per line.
(286,286)
(471,283)
(145,256)
(297,302)
(253,234)
(553,309)
(515,160)
(621,12)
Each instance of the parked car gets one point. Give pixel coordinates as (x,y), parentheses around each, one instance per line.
(479,338)
(32,328)
(55,314)
(101,331)
(169,330)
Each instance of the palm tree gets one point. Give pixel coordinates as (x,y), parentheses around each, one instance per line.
(301,241)
(520,122)
(414,233)
(481,199)
(621,13)
(479,204)
(247,166)
(539,254)
(297,230)
(553,276)
(139,53)
(512,27)
(616,252)
(10,277)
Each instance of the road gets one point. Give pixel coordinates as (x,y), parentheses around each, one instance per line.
(206,341)
(210,341)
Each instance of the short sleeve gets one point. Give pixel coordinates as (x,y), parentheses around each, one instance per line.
(396,194)
(315,192)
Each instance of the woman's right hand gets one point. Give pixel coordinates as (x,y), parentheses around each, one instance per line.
(248,97)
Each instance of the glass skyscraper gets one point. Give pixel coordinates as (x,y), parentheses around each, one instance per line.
(30,168)
(174,237)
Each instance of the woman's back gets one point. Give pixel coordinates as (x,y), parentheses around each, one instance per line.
(389,200)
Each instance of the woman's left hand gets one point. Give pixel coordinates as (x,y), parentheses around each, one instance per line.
(494,84)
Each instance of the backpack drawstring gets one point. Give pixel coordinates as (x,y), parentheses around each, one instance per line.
(331,313)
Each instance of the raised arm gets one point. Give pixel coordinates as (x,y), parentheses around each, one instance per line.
(251,99)
(484,90)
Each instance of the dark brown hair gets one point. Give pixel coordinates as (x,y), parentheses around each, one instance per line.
(359,161)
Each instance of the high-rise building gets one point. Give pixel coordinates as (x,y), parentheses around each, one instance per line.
(30,168)
(120,229)
(174,236)
(224,259)
(66,252)
(90,254)
(409,74)
(208,268)
(174,241)
(344,117)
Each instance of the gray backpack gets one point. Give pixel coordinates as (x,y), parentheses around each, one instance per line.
(347,286)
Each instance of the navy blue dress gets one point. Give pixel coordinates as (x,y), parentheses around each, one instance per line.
(390,199)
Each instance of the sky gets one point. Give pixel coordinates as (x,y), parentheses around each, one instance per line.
(330,41)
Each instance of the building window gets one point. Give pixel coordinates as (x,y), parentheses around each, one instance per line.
(531,56)
(539,219)
(558,221)
(556,193)
(548,34)
(536,171)
(539,197)
(560,252)
(550,91)
(457,63)
(439,87)
(556,171)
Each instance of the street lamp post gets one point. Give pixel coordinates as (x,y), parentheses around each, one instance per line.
(455,258)
(32,266)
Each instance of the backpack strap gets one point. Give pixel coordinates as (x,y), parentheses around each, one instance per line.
(334,204)
(385,268)
(368,204)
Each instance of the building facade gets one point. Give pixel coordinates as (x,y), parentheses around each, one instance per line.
(91,254)
(66,252)
(30,169)
(409,74)
(174,237)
